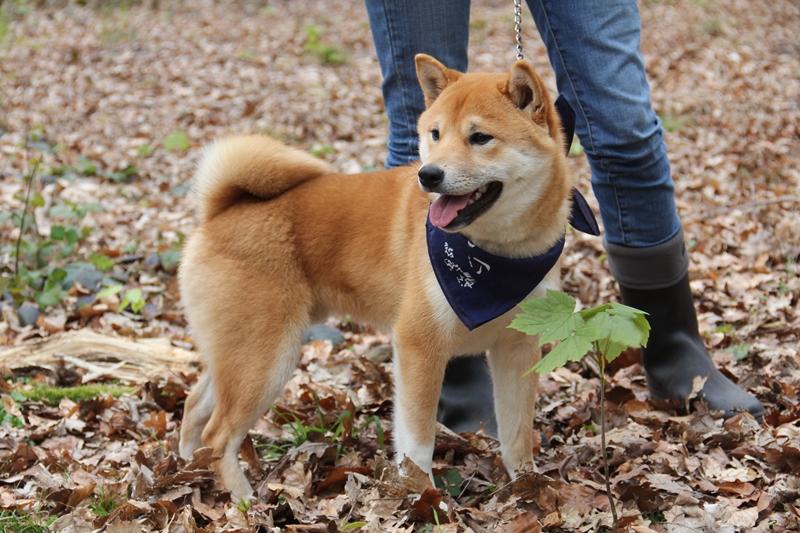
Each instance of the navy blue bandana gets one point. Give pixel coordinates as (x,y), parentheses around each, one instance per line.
(481,286)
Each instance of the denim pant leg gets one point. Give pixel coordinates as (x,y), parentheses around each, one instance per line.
(401,29)
(594,50)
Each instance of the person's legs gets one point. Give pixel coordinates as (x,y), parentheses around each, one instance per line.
(401,29)
(594,50)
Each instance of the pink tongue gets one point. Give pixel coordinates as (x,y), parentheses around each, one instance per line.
(446,208)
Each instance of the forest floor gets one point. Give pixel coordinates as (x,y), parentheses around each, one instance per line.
(108,104)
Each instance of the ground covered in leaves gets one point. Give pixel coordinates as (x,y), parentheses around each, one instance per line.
(106,105)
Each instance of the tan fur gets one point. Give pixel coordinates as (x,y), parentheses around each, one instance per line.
(284,242)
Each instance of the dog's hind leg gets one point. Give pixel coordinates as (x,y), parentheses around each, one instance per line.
(515,397)
(196,413)
(247,384)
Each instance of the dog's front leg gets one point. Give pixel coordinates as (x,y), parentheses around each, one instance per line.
(515,397)
(418,375)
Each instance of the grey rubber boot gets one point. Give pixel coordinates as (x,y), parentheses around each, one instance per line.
(655,280)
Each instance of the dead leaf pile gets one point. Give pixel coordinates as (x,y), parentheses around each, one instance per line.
(113,103)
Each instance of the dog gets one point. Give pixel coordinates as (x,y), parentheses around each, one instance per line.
(284,242)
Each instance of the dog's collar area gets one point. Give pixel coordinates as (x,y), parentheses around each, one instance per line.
(480,286)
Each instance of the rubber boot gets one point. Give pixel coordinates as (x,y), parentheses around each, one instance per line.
(467,399)
(675,353)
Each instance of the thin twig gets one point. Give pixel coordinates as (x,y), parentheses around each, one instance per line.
(601,361)
(24,213)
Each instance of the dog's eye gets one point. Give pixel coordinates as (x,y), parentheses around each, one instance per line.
(435,134)
(480,138)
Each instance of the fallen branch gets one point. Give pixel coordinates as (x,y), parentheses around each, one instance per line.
(130,360)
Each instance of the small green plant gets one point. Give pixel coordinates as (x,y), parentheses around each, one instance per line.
(672,122)
(477,25)
(25,522)
(134,298)
(321,150)
(300,433)
(101,261)
(41,265)
(15,421)
(352,525)
(604,330)
(575,149)
(451,482)
(176,140)
(243,505)
(326,53)
(738,349)
(103,503)
(783,289)
(124,176)
(343,427)
(86,167)
(116,28)
(711,27)
(5,25)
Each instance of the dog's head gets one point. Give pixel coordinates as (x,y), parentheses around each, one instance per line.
(491,147)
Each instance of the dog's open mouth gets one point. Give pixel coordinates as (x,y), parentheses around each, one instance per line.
(455,212)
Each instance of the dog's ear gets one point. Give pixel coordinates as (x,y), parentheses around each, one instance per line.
(433,77)
(527,91)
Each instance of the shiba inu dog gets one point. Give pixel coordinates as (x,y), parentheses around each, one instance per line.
(284,242)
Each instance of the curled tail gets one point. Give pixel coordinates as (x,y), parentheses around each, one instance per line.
(254,165)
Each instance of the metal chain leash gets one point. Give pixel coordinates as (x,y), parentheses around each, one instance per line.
(517,27)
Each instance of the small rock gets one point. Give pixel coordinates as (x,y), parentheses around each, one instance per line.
(90,279)
(321,332)
(379,354)
(28,314)
(152,262)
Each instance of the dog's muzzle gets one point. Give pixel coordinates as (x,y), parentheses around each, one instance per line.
(430,177)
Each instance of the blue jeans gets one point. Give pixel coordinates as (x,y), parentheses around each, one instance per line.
(594,50)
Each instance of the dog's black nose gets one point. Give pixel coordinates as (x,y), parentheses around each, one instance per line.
(430,177)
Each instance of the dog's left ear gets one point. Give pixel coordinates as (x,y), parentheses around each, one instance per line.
(527,91)
(433,77)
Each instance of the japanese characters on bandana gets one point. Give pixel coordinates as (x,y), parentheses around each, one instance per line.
(478,285)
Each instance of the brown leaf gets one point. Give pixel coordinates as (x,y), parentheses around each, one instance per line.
(579,497)
(22,459)
(428,505)
(539,489)
(188,521)
(524,523)
(697,385)
(165,466)
(250,457)
(737,487)
(121,526)
(79,494)
(338,477)
(158,423)
(52,323)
